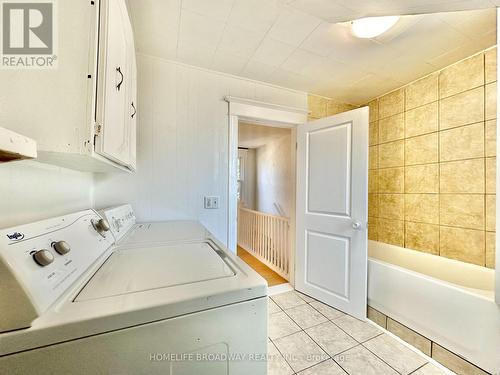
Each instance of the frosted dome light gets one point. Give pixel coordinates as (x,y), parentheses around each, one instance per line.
(371,27)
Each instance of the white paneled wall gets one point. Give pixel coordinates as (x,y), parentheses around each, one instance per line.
(31,191)
(183,142)
(274,176)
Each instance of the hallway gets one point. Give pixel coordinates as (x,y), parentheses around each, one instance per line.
(271,277)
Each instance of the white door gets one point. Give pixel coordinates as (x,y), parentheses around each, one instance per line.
(332,210)
(113,141)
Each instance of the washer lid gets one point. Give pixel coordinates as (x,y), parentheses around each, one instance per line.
(167,231)
(139,269)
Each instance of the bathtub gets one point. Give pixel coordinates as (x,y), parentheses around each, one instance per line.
(447,301)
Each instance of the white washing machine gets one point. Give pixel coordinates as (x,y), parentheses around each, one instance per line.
(72,302)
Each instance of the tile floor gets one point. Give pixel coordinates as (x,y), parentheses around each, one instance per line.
(307,337)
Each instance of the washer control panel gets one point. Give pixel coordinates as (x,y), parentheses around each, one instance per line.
(120,219)
(45,258)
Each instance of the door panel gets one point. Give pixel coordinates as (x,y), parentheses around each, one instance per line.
(332,210)
(332,144)
(327,257)
(113,142)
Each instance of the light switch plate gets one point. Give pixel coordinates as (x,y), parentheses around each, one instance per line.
(211,203)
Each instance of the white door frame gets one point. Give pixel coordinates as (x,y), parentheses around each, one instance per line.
(267,115)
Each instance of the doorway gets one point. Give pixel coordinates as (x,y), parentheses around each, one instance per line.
(326,174)
(265,199)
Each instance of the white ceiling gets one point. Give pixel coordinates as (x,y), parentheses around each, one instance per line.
(299,44)
(254,136)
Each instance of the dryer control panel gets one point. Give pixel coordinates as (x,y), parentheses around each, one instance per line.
(40,261)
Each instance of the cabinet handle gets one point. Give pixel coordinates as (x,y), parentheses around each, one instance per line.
(118,86)
(135,110)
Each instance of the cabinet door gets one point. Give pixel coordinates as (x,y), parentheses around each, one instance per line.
(113,136)
(133,114)
(132,109)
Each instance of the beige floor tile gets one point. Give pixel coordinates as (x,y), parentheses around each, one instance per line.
(331,338)
(276,364)
(279,325)
(361,331)
(272,306)
(397,355)
(300,351)
(429,369)
(305,316)
(361,361)
(326,310)
(288,300)
(327,367)
(304,297)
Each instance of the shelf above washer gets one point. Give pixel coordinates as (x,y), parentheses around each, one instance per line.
(14,146)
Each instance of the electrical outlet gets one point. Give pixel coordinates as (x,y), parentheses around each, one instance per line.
(211,203)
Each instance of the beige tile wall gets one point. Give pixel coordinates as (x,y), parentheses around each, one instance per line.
(432,162)
(320,107)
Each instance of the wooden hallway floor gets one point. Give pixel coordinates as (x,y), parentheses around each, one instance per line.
(271,277)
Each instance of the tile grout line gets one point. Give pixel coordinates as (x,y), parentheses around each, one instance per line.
(302,330)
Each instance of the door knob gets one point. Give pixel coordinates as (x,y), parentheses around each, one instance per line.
(356,225)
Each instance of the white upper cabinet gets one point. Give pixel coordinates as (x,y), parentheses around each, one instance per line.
(114,86)
(83,112)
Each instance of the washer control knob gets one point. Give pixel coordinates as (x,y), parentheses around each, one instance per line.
(43,257)
(100,225)
(62,247)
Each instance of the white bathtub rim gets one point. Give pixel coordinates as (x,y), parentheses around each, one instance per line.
(436,326)
(490,273)
(471,291)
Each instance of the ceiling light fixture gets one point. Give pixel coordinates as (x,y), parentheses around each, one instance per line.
(371,27)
